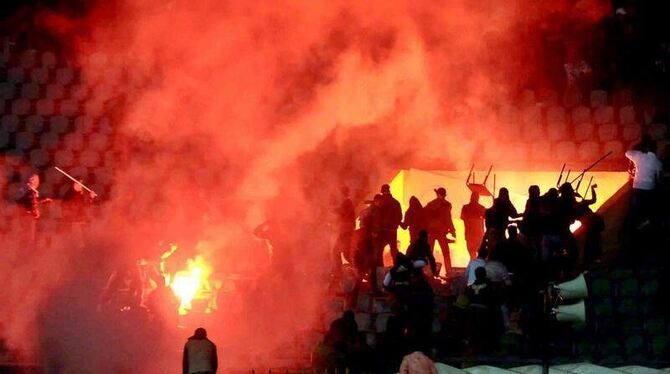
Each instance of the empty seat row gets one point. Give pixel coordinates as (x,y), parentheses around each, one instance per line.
(556,115)
(572,98)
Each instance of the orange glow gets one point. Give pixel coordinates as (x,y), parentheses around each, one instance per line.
(191,283)
(420,183)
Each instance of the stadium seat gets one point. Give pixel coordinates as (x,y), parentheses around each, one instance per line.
(631,132)
(381,305)
(531,123)
(34,124)
(603,114)
(74,141)
(364,321)
(381,320)
(49,60)
(581,114)
(28,58)
(55,91)
(89,158)
(64,76)
(565,150)
(540,151)
(94,106)
(83,124)
(45,107)
(572,98)
(49,140)
(589,151)
(616,147)
(528,98)
(24,140)
(583,131)
(39,157)
(21,107)
(626,115)
(608,132)
(30,91)
(10,122)
(623,98)
(98,141)
(548,98)
(64,158)
(15,75)
(629,288)
(658,131)
(39,75)
(80,172)
(69,108)
(556,114)
(7,90)
(59,124)
(598,98)
(79,92)
(4,138)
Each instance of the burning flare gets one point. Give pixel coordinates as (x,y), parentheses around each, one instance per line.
(192,283)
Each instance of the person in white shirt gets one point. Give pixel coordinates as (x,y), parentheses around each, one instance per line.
(647,174)
(475,263)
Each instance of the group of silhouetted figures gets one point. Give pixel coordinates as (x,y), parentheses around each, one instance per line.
(513,256)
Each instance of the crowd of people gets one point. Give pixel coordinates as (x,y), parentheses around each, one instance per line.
(514,254)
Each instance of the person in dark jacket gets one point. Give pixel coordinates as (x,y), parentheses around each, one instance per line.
(420,250)
(345,223)
(200,354)
(414,219)
(439,224)
(386,223)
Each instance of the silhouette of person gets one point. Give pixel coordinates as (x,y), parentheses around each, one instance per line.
(414,219)
(387,218)
(200,355)
(498,217)
(75,202)
(531,226)
(472,215)
(440,224)
(345,225)
(419,249)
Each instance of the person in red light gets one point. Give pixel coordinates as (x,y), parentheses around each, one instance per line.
(440,224)
(345,223)
(414,219)
(472,215)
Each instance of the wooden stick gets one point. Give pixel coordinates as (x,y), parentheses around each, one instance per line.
(74,180)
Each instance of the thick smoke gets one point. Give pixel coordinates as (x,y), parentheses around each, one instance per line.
(227,114)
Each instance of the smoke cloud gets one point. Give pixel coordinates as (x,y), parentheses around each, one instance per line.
(227,114)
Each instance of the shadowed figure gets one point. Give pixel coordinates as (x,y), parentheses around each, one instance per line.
(472,215)
(200,355)
(387,218)
(439,224)
(414,219)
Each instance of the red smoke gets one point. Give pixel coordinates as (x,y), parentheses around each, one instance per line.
(230,113)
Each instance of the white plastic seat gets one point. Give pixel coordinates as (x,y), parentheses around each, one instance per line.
(30,91)
(607,132)
(55,91)
(658,131)
(39,157)
(89,158)
(49,60)
(603,114)
(39,75)
(34,124)
(69,108)
(623,98)
(7,90)
(24,140)
(588,151)
(598,98)
(631,132)
(565,151)
(64,76)
(572,98)
(583,131)
(59,124)
(45,107)
(10,122)
(626,115)
(556,114)
(531,122)
(21,107)
(581,114)
(15,75)
(49,140)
